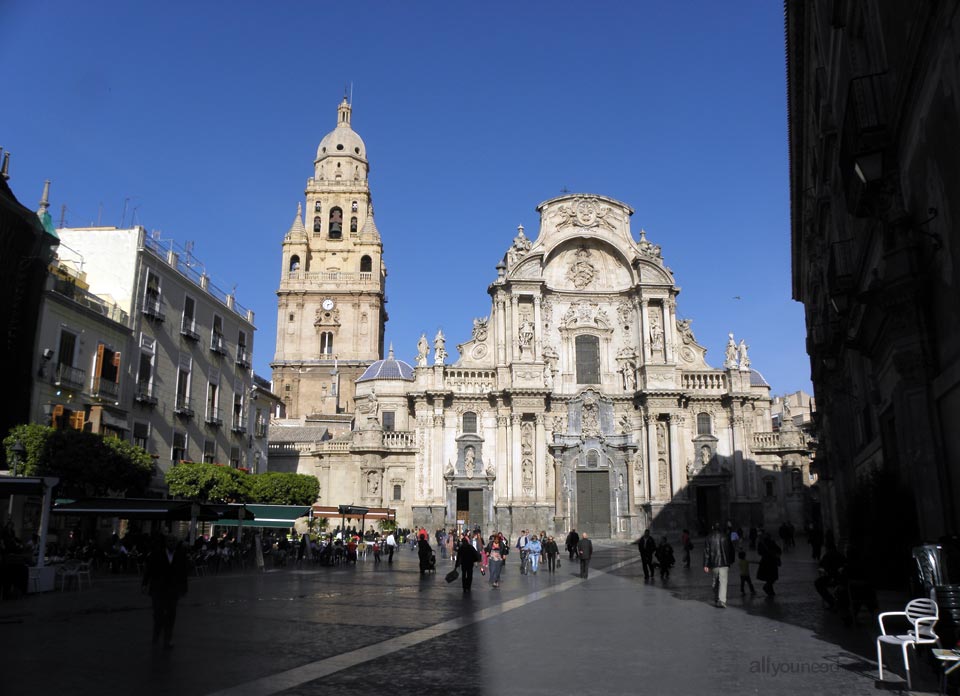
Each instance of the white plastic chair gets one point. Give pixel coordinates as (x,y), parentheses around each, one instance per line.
(83,571)
(922,614)
(69,569)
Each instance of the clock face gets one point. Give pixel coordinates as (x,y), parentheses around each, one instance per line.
(328,304)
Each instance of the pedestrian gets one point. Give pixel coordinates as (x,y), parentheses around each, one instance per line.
(745,581)
(552,550)
(376,550)
(425,554)
(467,557)
(448,543)
(768,570)
(687,547)
(521,547)
(534,548)
(391,546)
(571,543)
(495,552)
(442,542)
(165,577)
(831,580)
(585,553)
(717,557)
(648,547)
(815,537)
(753,538)
(303,548)
(665,558)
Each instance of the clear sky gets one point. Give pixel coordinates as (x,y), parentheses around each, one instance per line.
(207,116)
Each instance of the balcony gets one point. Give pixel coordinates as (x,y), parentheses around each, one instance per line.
(260,430)
(68,377)
(217,345)
(144,394)
(153,308)
(105,388)
(864,138)
(186,330)
(183,406)
(242,359)
(238,426)
(214,417)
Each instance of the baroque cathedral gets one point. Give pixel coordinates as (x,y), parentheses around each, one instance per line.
(581,401)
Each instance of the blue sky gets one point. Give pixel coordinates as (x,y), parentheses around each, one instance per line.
(207,117)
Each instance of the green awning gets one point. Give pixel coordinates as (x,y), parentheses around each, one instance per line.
(270,516)
(148,509)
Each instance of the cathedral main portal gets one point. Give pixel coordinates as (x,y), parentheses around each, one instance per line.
(593,503)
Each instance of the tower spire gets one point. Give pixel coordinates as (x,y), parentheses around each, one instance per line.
(44,199)
(343,112)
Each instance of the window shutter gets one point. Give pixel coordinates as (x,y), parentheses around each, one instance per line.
(116,359)
(98,367)
(77,420)
(57,415)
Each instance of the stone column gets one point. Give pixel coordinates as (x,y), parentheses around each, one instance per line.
(653,469)
(513,351)
(501,329)
(516,459)
(538,328)
(436,491)
(539,459)
(503,458)
(673,427)
(638,327)
(670,329)
(736,430)
(644,338)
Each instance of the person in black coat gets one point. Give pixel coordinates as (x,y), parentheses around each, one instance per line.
(467,557)
(572,540)
(769,569)
(647,547)
(425,553)
(165,576)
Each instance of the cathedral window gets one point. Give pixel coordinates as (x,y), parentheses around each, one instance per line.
(317,207)
(703,424)
(588,359)
(326,343)
(317,225)
(353,207)
(366,264)
(336,223)
(469,422)
(389,421)
(294,263)
(353,224)
(397,492)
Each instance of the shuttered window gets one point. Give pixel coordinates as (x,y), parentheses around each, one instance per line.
(588,359)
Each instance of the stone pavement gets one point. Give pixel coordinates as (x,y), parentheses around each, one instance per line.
(375,629)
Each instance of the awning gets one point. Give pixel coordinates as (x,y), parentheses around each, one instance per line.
(21,485)
(148,509)
(270,516)
(373,513)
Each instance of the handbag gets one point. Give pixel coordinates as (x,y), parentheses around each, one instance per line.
(452,575)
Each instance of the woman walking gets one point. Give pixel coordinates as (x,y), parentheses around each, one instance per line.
(769,569)
(495,552)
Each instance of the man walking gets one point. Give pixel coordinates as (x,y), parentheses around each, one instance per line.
(522,548)
(166,577)
(391,546)
(571,543)
(647,547)
(717,557)
(585,552)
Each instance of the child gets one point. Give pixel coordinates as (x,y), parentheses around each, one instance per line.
(376,551)
(745,573)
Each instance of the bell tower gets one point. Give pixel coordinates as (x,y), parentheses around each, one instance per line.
(330,303)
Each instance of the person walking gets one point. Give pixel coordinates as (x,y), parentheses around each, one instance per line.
(571,543)
(665,558)
(425,554)
(391,546)
(495,552)
(815,537)
(467,557)
(744,567)
(769,569)
(648,547)
(165,577)
(534,548)
(552,550)
(585,553)
(522,549)
(687,547)
(717,557)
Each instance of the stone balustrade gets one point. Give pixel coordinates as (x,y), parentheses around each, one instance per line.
(715,380)
(399,439)
(790,439)
(467,381)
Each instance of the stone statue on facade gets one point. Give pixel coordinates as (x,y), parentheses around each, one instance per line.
(373,483)
(469,457)
(525,335)
(686,333)
(480,329)
(521,245)
(730,361)
(590,418)
(744,358)
(656,331)
(423,349)
(439,350)
(550,358)
(527,473)
(629,371)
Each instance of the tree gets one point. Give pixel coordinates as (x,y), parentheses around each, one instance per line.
(86,464)
(208,483)
(279,488)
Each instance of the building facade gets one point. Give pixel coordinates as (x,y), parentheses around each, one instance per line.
(581,400)
(874,119)
(183,380)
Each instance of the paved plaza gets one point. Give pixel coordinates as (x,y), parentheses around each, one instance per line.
(377,629)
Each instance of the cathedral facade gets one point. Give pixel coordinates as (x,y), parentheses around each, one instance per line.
(582,400)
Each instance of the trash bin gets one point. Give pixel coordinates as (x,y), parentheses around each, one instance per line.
(948,626)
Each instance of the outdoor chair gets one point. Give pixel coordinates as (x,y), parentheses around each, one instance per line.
(83,571)
(922,615)
(67,570)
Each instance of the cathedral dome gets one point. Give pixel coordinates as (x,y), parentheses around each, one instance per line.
(342,140)
(391,368)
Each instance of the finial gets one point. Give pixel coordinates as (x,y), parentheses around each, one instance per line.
(390,352)
(5,169)
(299,209)
(45,198)
(643,235)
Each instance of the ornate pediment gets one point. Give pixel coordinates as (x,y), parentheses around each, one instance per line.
(586,212)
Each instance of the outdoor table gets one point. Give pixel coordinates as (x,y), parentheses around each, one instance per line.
(950,660)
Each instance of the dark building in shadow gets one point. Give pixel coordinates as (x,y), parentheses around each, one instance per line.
(874,136)
(26,248)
